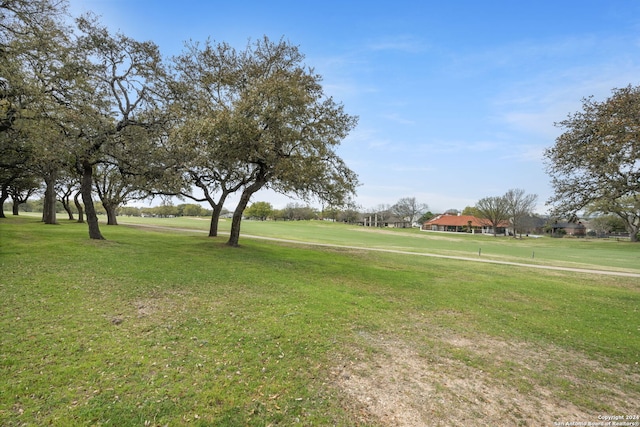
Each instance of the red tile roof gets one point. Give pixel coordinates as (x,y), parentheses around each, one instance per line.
(460,221)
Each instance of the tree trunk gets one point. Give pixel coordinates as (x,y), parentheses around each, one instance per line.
(4,195)
(631,223)
(85,186)
(215,219)
(215,215)
(49,206)
(111,213)
(234,234)
(79,206)
(15,207)
(67,207)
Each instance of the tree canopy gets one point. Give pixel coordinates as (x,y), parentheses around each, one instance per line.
(409,208)
(255,119)
(259,210)
(596,161)
(111,112)
(33,80)
(492,211)
(514,207)
(519,208)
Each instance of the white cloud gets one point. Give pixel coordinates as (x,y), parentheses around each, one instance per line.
(397,118)
(459,146)
(525,153)
(403,43)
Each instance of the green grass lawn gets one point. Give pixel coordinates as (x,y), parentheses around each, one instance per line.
(567,252)
(154,327)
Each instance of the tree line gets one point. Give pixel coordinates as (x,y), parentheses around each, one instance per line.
(92,113)
(162,210)
(88,113)
(527,221)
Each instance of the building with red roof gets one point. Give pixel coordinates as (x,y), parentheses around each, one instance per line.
(463,223)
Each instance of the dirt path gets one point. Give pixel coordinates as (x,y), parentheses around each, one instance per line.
(459,258)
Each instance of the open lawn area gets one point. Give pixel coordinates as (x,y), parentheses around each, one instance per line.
(156,327)
(600,254)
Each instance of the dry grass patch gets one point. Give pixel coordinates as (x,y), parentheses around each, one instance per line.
(479,381)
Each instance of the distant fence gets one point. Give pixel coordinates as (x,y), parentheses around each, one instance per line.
(617,236)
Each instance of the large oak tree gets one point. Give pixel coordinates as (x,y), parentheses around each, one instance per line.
(126,76)
(289,130)
(596,161)
(255,119)
(202,148)
(34,74)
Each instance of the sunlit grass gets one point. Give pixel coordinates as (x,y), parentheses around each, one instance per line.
(567,252)
(163,328)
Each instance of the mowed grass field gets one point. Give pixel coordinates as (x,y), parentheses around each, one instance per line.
(573,253)
(156,327)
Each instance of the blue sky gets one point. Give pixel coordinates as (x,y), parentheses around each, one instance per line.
(456,100)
